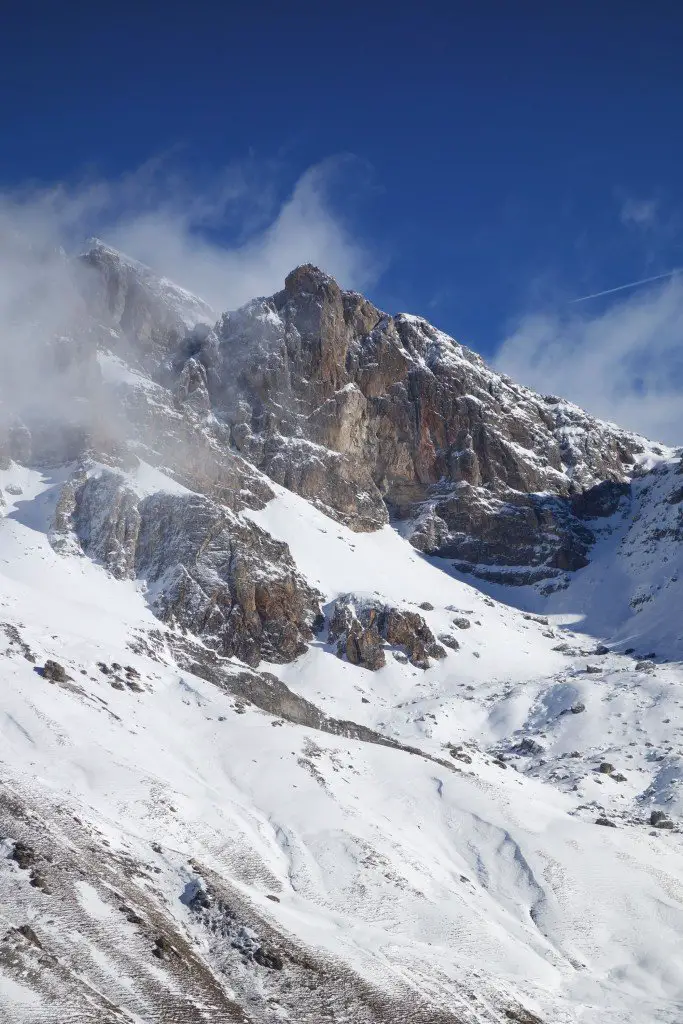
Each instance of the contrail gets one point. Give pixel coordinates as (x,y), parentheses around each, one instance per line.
(623,287)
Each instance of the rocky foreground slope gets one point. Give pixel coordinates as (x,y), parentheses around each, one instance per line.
(268,755)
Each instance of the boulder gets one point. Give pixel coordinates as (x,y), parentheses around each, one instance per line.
(54,672)
(360,628)
(659,819)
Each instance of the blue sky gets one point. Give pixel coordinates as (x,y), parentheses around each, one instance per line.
(480,164)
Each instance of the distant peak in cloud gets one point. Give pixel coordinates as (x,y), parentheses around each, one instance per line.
(227,243)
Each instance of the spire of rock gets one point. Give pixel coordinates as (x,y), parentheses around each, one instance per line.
(308,279)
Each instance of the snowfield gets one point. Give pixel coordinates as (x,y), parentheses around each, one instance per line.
(171,826)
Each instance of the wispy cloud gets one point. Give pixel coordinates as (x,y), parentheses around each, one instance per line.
(624,364)
(181,241)
(227,239)
(639,212)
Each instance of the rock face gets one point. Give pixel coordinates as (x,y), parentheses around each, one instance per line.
(226,578)
(152,313)
(356,634)
(360,629)
(368,415)
(207,570)
(106,521)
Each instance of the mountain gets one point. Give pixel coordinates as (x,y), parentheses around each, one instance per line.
(342,674)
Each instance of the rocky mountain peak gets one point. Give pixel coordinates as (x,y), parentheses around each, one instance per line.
(308,279)
(373,416)
(150,311)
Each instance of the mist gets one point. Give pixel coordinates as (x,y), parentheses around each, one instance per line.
(53,314)
(172,239)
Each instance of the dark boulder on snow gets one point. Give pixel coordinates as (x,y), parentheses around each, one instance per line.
(23,855)
(268,958)
(360,628)
(528,747)
(659,819)
(449,641)
(54,672)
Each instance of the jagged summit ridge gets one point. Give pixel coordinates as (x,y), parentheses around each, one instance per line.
(372,416)
(369,414)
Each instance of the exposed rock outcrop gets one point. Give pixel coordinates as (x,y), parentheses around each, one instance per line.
(150,312)
(360,629)
(206,569)
(364,414)
(367,414)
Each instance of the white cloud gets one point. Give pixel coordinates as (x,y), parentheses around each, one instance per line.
(624,365)
(39,301)
(156,217)
(639,212)
(172,238)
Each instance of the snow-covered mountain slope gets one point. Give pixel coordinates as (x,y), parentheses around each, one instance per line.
(159,815)
(266,757)
(631,591)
